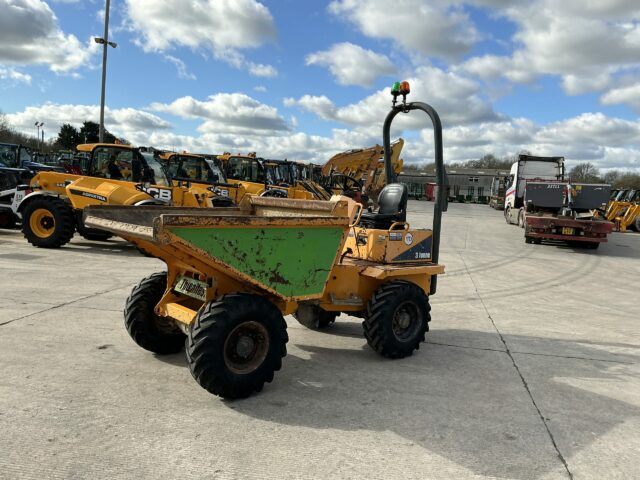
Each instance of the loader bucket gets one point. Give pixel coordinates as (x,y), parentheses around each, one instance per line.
(281,246)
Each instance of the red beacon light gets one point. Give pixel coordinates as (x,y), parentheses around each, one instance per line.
(400,88)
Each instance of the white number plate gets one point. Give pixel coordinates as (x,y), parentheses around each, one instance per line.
(191,287)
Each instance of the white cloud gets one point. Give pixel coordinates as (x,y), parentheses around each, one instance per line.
(295,146)
(629,95)
(437,28)
(456,98)
(464,142)
(586,43)
(181,67)
(262,70)
(226,112)
(222,27)
(30,35)
(13,75)
(608,142)
(127,122)
(229,124)
(351,64)
(260,88)
(592,129)
(492,67)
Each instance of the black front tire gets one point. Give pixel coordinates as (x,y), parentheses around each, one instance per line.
(521,218)
(150,331)
(59,213)
(397,319)
(507,215)
(236,344)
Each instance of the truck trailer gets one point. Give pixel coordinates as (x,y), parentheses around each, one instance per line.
(562,211)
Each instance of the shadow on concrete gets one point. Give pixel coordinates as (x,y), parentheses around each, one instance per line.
(176,359)
(109,247)
(464,404)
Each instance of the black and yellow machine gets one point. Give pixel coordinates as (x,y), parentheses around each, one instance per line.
(113,174)
(232,274)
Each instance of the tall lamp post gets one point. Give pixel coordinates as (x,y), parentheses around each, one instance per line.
(39,125)
(104,41)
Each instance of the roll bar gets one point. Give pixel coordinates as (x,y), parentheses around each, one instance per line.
(440,173)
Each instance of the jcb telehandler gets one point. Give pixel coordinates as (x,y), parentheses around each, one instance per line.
(234,273)
(114,174)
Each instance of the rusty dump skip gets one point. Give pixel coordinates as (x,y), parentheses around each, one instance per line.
(282,246)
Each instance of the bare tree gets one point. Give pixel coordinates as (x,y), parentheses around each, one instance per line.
(585,172)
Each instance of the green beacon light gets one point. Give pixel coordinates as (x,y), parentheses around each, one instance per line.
(395,91)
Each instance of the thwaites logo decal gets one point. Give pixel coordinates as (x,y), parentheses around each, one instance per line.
(159,193)
(408,239)
(93,196)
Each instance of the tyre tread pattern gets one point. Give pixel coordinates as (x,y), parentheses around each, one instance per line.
(206,338)
(64,218)
(140,318)
(377,326)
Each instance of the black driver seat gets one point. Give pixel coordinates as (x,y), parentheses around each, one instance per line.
(392,207)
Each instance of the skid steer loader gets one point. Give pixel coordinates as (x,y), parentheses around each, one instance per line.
(114,174)
(234,273)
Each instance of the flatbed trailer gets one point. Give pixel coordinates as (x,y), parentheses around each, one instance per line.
(589,233)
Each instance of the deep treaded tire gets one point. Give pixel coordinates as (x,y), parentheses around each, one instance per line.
(397,319)
(236,344)
(55,226)
(148,330)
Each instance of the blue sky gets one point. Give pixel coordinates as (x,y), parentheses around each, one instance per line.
(307,79)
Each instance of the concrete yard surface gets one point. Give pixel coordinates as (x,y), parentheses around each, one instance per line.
(531,370)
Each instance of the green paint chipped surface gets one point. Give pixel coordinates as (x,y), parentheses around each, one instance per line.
(293,261)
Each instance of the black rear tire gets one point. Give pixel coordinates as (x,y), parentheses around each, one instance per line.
(397,319)
(236,344)
(150,331)
(57,226)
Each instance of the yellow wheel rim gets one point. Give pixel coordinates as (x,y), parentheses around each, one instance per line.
(42,223)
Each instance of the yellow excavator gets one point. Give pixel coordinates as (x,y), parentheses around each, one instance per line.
(623,209)
(628,212)
(362,166)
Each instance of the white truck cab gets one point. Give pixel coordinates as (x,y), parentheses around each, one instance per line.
(528,167)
